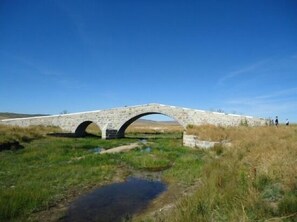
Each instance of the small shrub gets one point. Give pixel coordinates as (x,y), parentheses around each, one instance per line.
(190,126)
(219,149)
(26,138)
(288,205)
(261,182)
(244,122)
(272,192)
(202,208)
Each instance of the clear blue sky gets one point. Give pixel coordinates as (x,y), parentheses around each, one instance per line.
(80,55)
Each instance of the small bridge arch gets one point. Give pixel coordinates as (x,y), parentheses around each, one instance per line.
(80,129)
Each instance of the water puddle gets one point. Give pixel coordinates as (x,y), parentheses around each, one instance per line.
(115,202)
(96,150)
(146,150)
(143,141)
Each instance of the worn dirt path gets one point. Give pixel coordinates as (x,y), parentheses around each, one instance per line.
(121,148)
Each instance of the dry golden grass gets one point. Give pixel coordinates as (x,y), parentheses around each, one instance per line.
(93,129)
(24,134)
(268,150)
(154,127)
(209,132)
(254,179)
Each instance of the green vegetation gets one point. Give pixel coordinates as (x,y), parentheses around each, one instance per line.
(51,169)
(21,134)
(253,180)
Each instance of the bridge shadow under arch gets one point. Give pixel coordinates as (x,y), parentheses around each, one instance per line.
(122,130)
(83,130)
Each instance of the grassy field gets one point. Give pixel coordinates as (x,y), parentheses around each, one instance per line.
(253,180)
(50,170)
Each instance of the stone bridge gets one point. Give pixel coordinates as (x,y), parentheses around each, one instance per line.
(114,122)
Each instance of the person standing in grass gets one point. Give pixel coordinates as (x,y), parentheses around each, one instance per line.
(287,122)
(276,121)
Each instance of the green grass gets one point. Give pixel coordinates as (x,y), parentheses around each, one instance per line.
(50,169)
(253,180)
(24,134)
(41,174)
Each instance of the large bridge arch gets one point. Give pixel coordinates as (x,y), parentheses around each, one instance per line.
(127,122)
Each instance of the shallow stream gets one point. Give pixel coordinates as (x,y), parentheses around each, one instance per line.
(115,202)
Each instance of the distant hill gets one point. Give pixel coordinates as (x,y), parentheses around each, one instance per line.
(7,115)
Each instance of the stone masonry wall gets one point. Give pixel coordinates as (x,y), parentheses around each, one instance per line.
(112,120)
(193,141)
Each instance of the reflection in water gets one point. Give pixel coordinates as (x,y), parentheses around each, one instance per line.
(96,150)
(116,201)
(144,141)
(146,150)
